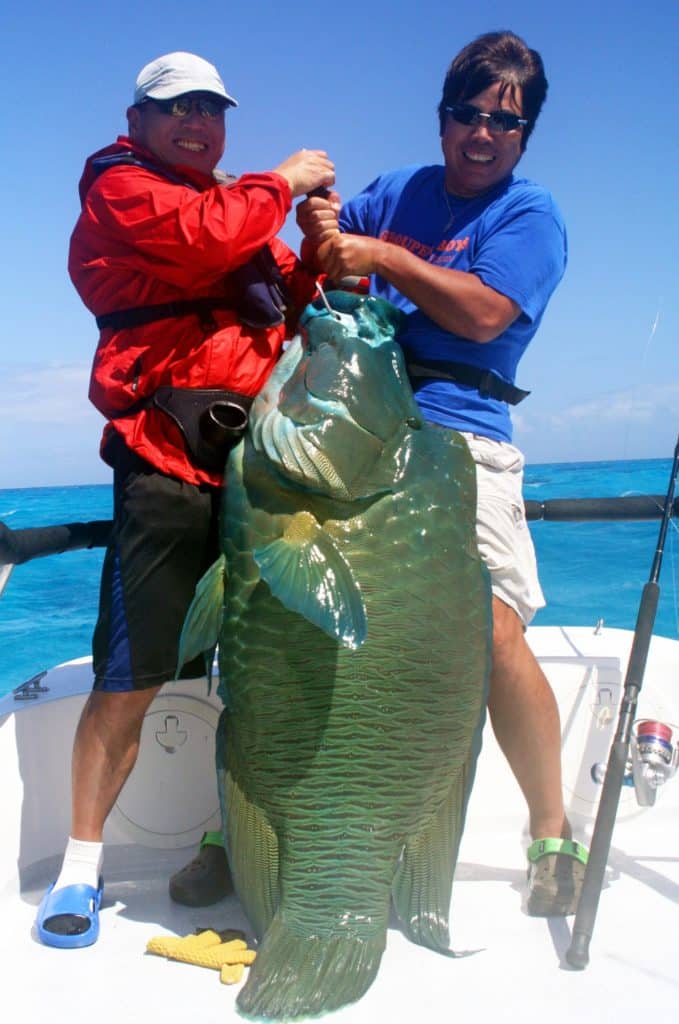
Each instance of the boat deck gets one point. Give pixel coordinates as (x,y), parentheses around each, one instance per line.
(509,966)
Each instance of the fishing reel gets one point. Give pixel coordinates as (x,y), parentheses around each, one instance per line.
(653,760)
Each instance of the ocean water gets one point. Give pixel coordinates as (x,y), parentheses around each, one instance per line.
(588,570)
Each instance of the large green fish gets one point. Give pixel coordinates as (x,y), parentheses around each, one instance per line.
(353,616)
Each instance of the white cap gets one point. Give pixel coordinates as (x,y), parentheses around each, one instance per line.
(178,73)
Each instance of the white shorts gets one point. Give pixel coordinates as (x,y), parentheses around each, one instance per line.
(504,540)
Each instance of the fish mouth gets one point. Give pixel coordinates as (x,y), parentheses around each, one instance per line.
(313,440)
(352,368)
(339,406)
(327,455)
(325,402)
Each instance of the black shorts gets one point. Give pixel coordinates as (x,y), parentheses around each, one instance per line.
(165,535)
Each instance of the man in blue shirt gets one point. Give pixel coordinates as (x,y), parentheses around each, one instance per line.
(472,253)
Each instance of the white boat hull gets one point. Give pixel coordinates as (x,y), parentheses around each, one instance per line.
(515,967)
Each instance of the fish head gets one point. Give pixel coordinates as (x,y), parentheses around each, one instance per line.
(336,413)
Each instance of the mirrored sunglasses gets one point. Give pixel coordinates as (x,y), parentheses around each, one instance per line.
(497,122)
(209,107)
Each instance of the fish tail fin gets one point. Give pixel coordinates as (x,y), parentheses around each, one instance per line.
(423,882)
(300,975)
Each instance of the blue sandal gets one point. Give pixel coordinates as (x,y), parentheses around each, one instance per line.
(69,918)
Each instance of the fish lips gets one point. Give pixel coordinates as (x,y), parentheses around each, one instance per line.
(343,376)
(349,407)
(336,414)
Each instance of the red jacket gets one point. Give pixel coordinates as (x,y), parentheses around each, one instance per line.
(142,239)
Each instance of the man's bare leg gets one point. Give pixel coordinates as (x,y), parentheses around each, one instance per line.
(525,719)
(104,753)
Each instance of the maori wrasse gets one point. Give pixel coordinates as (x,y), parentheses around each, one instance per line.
(353,616)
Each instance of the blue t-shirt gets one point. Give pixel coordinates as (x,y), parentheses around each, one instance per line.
(512,237)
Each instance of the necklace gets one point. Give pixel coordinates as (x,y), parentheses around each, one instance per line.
(451,215)
(464,205)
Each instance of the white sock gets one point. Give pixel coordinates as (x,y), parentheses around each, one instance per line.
(81,865)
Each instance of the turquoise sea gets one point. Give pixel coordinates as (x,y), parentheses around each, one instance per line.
(588,570)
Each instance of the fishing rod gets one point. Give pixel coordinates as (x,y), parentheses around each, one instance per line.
(578,951)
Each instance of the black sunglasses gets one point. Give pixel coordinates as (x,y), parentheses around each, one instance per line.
(209,107)
(497,122)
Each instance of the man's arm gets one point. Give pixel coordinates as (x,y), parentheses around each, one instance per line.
(190,238)
(457,301)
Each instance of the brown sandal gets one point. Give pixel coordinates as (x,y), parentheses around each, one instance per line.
(556,870)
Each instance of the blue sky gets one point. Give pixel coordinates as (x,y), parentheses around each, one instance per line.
(363,82)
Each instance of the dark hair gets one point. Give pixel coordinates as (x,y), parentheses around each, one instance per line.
(491,58)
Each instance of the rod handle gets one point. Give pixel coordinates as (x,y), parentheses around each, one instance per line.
(578,951)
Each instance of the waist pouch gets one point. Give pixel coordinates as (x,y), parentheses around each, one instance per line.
(262,294)
(212,421)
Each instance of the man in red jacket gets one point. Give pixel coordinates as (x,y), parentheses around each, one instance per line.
(194,297)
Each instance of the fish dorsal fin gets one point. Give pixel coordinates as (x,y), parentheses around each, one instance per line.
(308,574)
(203,621)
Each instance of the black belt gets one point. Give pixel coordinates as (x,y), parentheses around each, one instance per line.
(487,383)
(139,316)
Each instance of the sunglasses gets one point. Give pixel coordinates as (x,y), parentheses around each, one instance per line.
(497,122)
(209,107)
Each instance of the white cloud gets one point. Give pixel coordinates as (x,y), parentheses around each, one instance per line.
(633,423)
(632,404)
(54,393)
(49,431)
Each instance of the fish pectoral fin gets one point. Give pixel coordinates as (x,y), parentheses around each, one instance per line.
(308,574)
(200,631)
